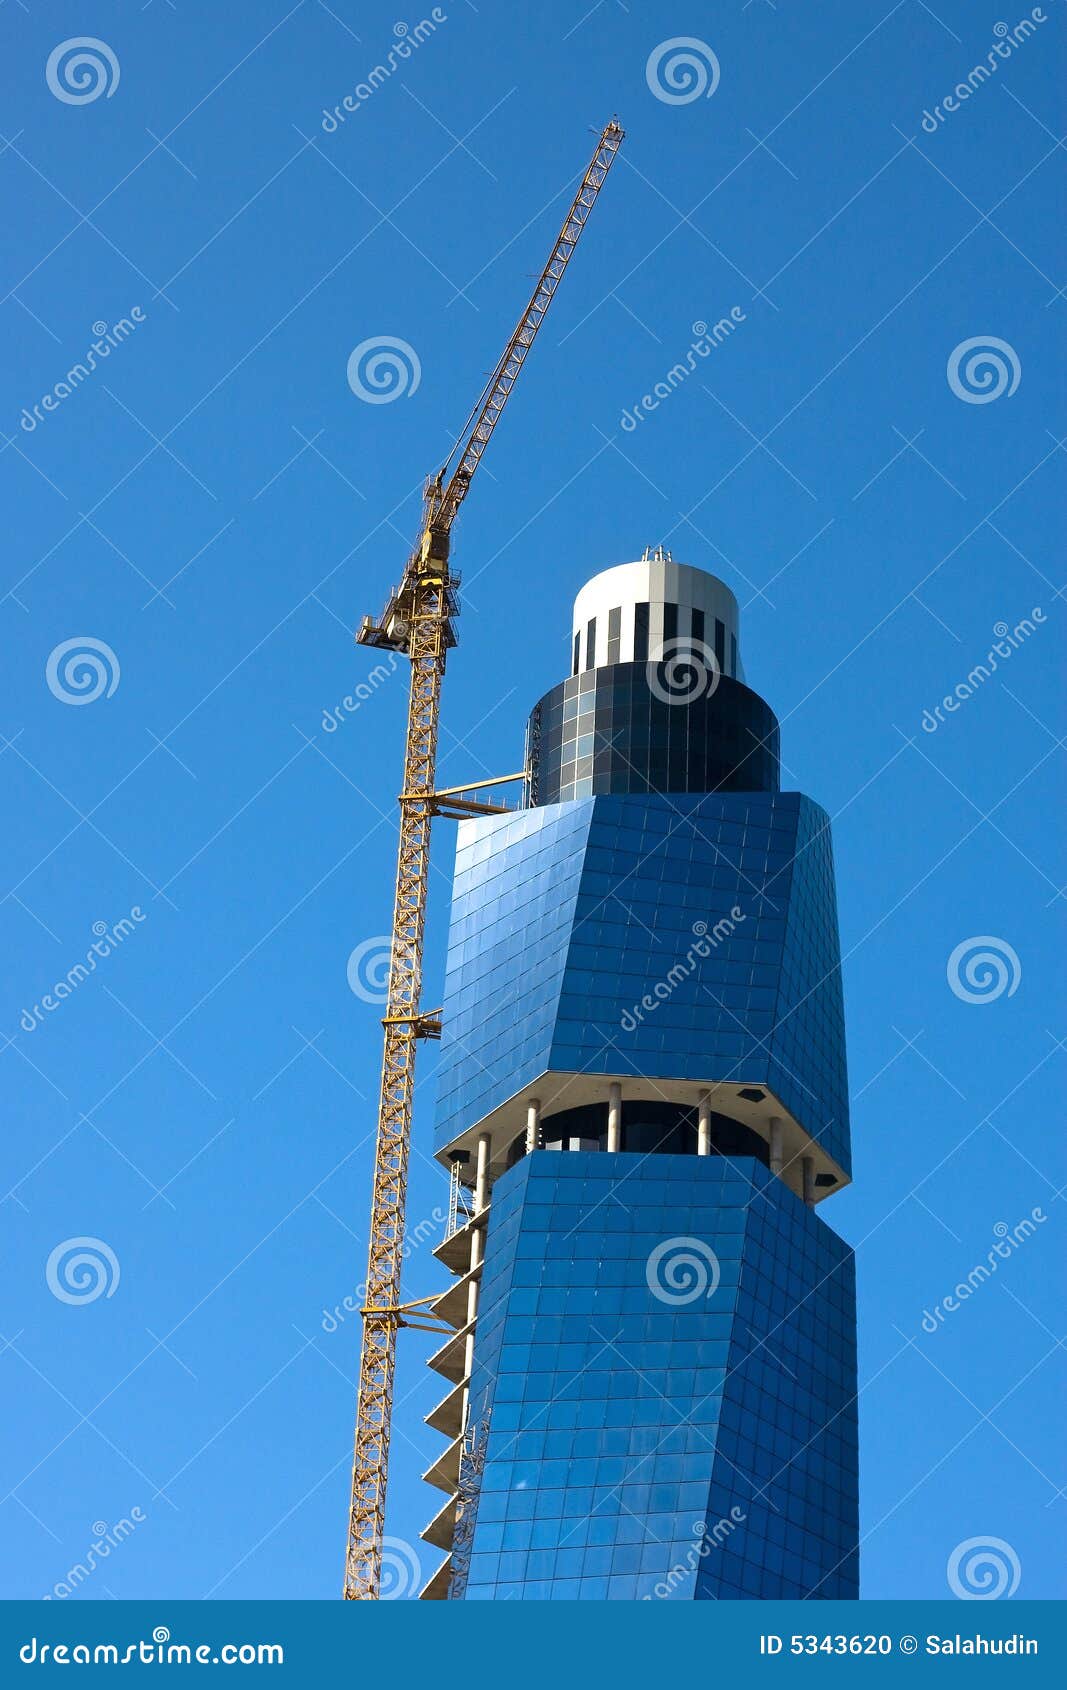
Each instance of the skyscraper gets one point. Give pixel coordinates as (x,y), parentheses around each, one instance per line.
(643,1103)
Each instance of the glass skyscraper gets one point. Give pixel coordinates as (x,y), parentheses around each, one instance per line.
(651,1376)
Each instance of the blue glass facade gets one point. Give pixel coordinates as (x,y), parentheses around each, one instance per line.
(617,730)
(565,917)
(642,1083)
(656,1433)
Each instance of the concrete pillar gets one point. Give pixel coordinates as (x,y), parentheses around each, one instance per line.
(704,1125)
(472,1299)
(481,1178)
(468,1363)
(776,1145)
(533,1125)
(808,1166)
(481,1198)
(477,1251)
(615,1116)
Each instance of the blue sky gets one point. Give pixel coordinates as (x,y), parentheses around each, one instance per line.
(216,506)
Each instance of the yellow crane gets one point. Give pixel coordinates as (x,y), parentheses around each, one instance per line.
(419,621)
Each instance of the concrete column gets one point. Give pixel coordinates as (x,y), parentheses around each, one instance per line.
(473,1288)
(808,1166)
(776,1145)
(533,1125)
(472,1299)
(468,1364)
(481,1178)
(481,1198)
(615,1116)
(704,1125)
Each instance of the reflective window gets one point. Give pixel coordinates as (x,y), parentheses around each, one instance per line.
(614,635)
(640,633)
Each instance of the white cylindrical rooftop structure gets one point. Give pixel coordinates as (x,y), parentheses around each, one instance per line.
(644,611)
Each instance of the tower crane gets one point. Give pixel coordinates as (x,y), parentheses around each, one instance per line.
(419,621)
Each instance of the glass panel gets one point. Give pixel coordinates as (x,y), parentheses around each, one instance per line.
(614,634)
(640,633)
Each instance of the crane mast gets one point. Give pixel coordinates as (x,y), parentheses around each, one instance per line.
(419,621)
